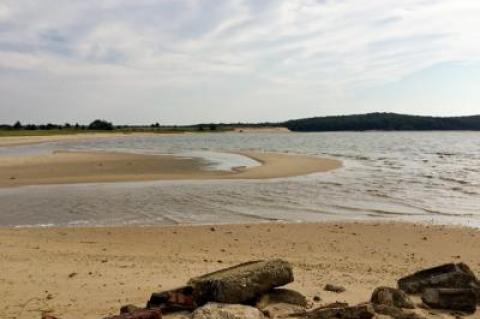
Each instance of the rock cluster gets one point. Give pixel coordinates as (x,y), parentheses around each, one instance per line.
(250,291)
(450,286)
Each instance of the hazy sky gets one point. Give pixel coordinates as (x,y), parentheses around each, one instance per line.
(186,61)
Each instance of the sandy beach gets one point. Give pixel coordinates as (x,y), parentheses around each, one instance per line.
(36,139)
(92,167)
(90,272)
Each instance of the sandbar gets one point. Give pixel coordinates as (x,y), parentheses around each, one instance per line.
(6,141)
(67,167)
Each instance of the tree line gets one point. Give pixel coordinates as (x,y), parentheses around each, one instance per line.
(360,122)
(384,122)
(97,125)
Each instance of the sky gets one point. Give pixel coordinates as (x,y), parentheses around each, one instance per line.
(193,61)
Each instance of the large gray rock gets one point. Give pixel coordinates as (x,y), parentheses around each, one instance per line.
(227,311)
(391,297)
(286,296)
(451,299)
(444,276)
(284,310)
(241,283)
(363,311)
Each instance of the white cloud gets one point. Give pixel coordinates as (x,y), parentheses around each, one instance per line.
(296,46)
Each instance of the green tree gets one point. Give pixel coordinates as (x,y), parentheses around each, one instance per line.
(17,125)
(100,125)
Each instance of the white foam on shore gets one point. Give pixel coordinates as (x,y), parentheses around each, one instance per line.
(222,161)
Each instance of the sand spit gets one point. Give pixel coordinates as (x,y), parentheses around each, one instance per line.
(93,167)
(37,139)
(90,272)
(261,130)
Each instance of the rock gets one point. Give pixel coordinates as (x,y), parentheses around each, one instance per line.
(178,315)
(363,311)
(334,288)
(227,311)
(391,297)
(173,300)
(284,310)
(281,296)
(241,283)
(460,299)
(444,276)
(395,312)
(140,314)
(48,316)
(129,309)
(317,298)
(335,304)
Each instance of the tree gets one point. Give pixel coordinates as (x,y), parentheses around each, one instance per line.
(30,127)
(17,125)
(100,125)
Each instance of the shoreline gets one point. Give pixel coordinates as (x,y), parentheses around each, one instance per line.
(6,141)
(88,272)
(96,167)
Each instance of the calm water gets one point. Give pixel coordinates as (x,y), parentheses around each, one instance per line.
(413,176)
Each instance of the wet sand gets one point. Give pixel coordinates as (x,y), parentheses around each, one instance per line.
(93,167)
(90,272)
(36,139)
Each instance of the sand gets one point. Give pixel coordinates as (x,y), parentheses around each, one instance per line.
(93,167)
(261,130)
(90,272)
(36,139)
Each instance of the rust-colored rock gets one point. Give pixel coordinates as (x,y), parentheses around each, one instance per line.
(173,300)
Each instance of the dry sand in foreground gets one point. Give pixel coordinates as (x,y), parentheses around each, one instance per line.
(90,272)
(84,167)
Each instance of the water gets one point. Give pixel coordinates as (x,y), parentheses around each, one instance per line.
(410,176)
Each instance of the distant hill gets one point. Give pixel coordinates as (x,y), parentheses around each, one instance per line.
(384,122)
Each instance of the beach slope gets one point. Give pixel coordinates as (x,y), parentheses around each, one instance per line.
(90,272)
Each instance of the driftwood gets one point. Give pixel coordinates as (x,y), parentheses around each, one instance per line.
(241,283)
(444,276)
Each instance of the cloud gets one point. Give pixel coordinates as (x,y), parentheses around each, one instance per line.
(304,47)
